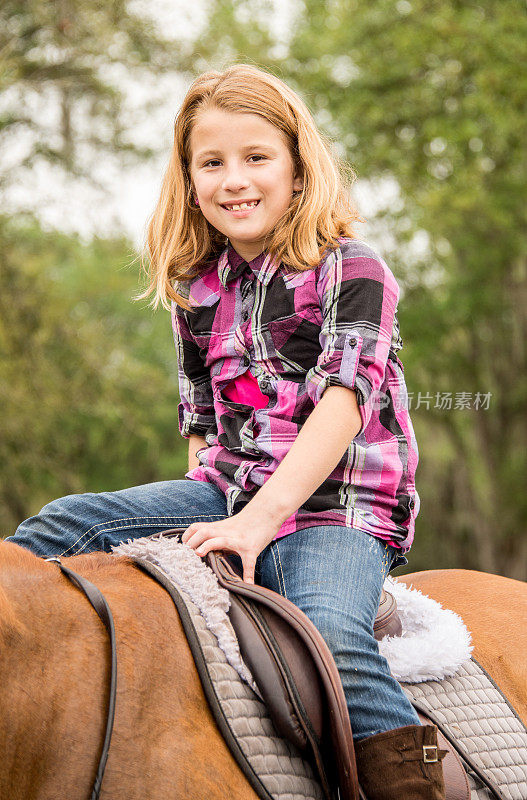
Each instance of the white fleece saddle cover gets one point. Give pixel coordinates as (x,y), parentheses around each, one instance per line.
(458,693)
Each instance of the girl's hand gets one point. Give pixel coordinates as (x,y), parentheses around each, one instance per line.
(237,534)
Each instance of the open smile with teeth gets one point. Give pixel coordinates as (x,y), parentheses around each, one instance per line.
(241,206)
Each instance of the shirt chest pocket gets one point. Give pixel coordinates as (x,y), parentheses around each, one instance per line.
(214,343)
(293,343)
(215,348)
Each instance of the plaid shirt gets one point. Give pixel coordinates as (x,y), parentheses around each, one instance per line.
(298,333)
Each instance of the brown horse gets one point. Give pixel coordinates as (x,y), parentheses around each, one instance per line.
(54,663)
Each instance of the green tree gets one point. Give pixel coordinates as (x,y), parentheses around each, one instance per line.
(88,387)
(88,380)
(64,70)
(428,98)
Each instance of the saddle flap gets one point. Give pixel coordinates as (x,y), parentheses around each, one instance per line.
(286,699)
(339,752)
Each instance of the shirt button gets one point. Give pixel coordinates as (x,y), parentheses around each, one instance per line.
(353,342)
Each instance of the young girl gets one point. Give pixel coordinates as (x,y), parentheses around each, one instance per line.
(302,454)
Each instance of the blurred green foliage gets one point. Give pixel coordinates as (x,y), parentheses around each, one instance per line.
(88,379)
(63,68)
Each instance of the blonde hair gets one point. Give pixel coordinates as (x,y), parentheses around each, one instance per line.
(180,241)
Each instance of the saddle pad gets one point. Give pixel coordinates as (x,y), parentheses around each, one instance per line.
(434,642)
(478,716)
(272,765)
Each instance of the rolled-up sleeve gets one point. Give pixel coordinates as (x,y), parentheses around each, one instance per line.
(196,408)
(358,298)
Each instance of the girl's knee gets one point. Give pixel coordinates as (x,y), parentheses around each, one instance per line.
(63,516)
(60,505)
(342,633)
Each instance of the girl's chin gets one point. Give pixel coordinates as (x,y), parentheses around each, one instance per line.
(244,234)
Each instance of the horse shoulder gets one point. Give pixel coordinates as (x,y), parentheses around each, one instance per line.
(58,675)
(162,704)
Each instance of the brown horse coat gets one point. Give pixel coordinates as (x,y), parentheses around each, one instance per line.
(55,660)
(55,666)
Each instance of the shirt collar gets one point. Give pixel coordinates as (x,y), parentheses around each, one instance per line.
(231,266)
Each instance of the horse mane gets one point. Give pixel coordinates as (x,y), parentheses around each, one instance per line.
(18,558)
(90,564)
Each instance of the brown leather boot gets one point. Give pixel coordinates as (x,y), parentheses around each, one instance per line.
(403,764)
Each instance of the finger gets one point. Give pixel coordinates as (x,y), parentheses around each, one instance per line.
(185,536)
(198,537)
(249,564)
(218,543)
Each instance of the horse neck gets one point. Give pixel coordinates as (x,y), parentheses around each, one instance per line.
(52,654)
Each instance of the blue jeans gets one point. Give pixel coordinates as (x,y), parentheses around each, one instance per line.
(334,574)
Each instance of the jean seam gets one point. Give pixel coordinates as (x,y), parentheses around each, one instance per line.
(147,523)
(122,519)
(276,568)
(281,571)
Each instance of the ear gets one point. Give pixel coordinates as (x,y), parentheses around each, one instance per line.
(298,182)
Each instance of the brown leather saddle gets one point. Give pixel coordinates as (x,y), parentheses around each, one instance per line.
(300,684)
(296,674)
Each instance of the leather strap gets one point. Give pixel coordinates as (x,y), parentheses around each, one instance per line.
(102,608)
(425,712)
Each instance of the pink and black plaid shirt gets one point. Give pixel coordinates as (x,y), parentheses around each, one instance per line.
(291,335)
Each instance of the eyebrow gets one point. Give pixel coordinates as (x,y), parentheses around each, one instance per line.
(256,146)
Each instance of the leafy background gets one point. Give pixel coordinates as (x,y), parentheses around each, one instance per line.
(426,101)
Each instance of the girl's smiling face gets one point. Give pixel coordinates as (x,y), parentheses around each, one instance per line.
(241,158)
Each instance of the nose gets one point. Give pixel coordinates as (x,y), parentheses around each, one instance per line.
(235,178)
